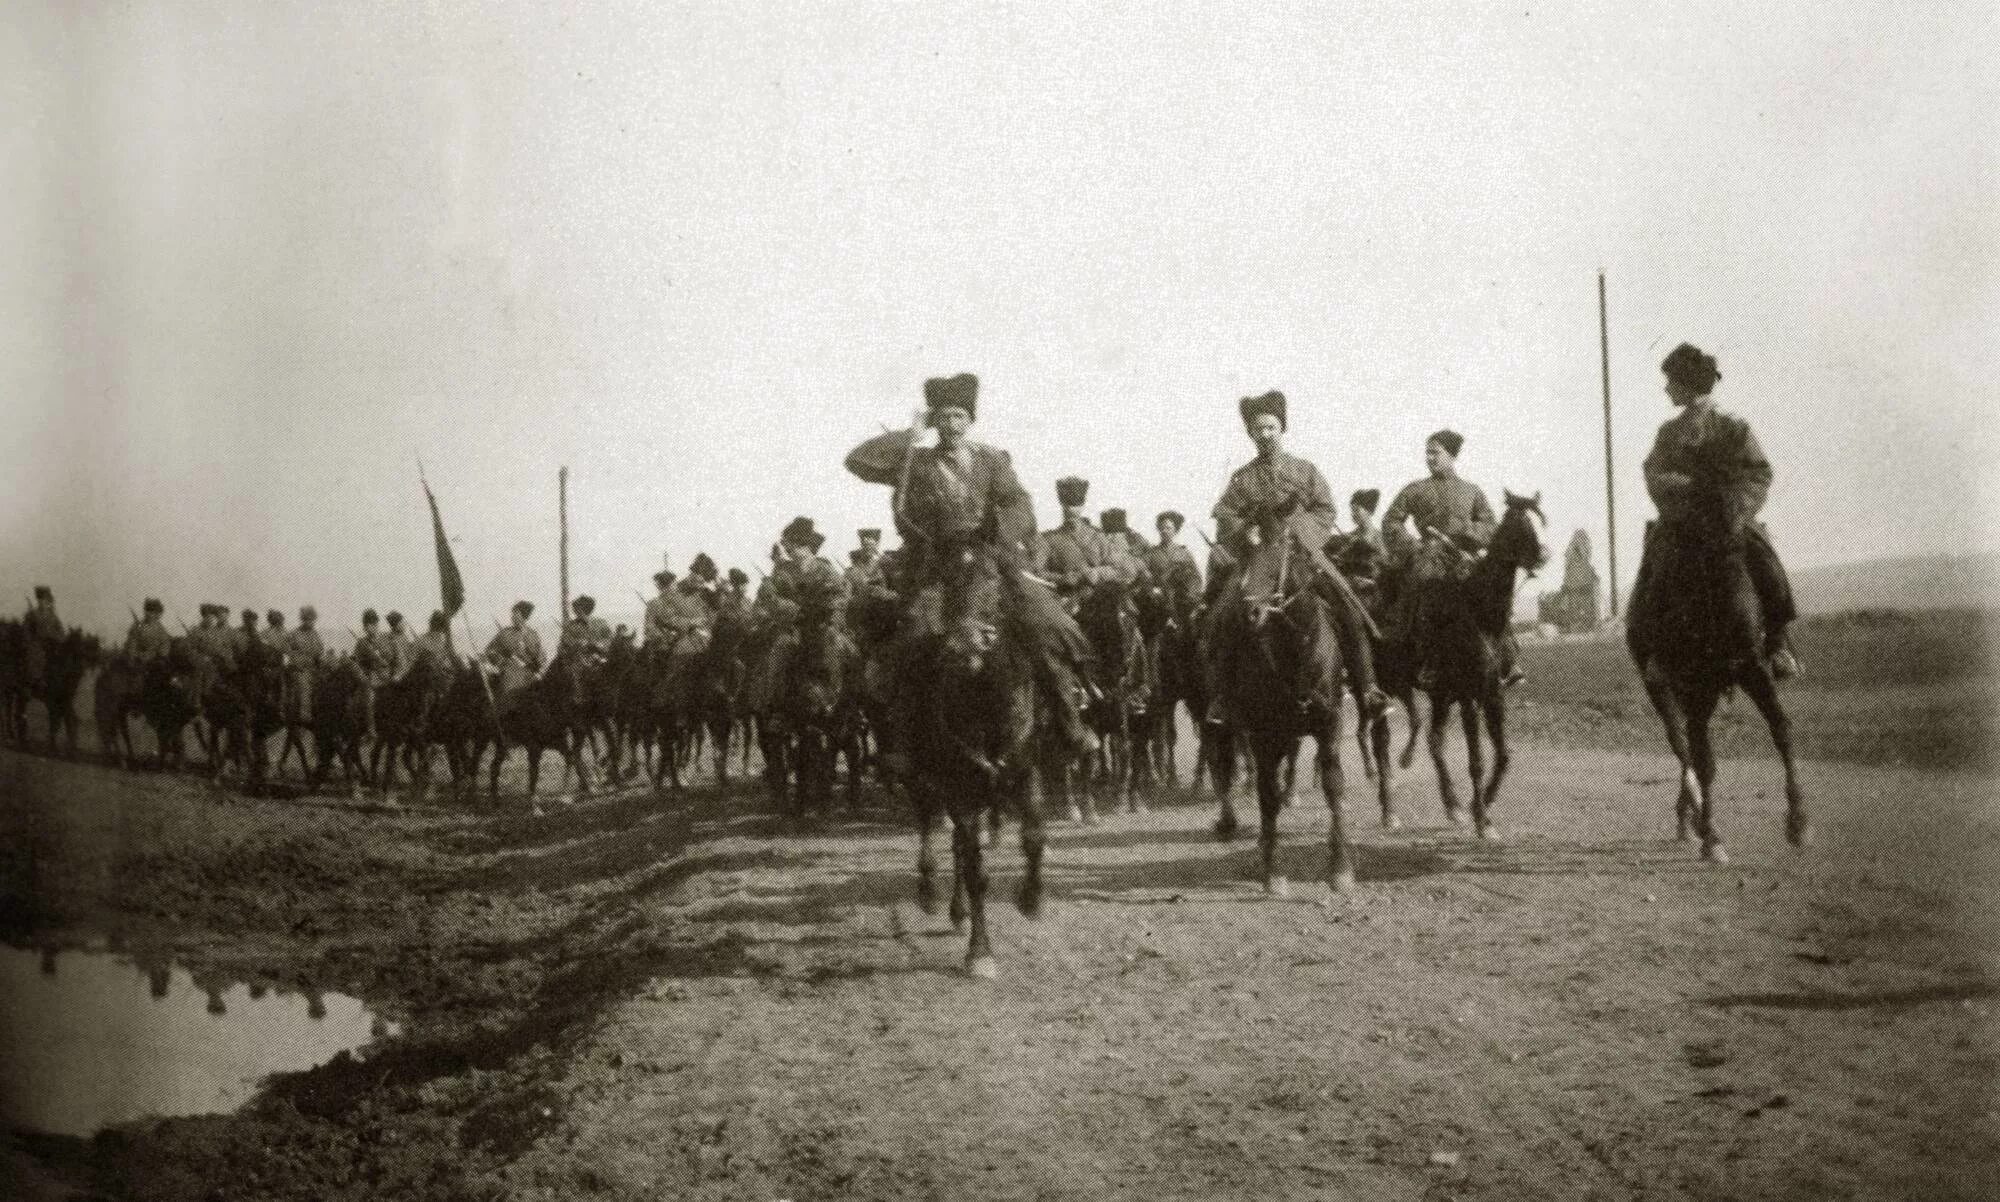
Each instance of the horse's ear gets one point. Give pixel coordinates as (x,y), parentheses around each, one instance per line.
(1510,500)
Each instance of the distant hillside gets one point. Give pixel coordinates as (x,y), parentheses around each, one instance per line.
(1918,582)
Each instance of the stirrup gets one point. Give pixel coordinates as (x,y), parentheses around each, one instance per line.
(1785,665)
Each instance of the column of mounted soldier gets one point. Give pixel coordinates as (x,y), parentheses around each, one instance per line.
(1085,636)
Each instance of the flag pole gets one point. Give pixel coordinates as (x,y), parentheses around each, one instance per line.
(1610,505)
(562,517)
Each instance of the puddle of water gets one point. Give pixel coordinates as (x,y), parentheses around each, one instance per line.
(91,1039)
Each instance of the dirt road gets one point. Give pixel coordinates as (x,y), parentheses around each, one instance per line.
(638,1000)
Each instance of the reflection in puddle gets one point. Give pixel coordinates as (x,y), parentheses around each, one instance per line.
(91,1039)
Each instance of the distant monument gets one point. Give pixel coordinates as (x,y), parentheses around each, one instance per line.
(1572,608)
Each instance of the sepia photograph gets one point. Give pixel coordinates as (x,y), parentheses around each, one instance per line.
(764,602)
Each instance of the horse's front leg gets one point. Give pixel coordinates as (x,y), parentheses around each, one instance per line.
(1434,740)
(1495,710)
(1475,766)
(1268,754)
(1333,786)
(971,862)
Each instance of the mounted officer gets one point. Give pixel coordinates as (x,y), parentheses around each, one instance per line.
(275,636)
(733,597)
(948,498)
(303,652)
(702,583)
(516,650)
(1698,453)
(1273,519)
(243,637)
(801,584)
(1077,555)
(397,643)
(1172,566)
(584,633)
(866,575)
(1453,525)
(43,630)
(375,654)
(1360,554)
(148,639)
(1119,530)
(677,612)
(434,647)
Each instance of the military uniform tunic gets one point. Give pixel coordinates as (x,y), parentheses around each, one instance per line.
(1703,447)
(591,634)
(147,641)
(674,614)
(1173,569)
(1453,507)
(1077,554)
(304,647)
(949,498)
(1271,495)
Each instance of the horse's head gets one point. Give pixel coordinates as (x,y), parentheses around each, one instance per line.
(1517,541)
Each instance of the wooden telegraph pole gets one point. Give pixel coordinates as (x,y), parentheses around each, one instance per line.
(562,515)
(1610,504)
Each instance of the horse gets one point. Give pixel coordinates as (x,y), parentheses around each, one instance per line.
(339,719)
(548,711)
(1168,626)
(404,710)
(114,703)
(815,717)
(1706,638)
(66,662)
(1281,683)
(169,699)
(717,687)
(1122,674)
(1468,622)
(243,709)
(1396,676)
(976,723)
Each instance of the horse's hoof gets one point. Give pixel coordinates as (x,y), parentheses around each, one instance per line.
(1029,902)
(1454,816)
(1135,806)
(1391,822)
(1225,829)
(1073,814)
(982,968)
(1278,886)
(1092,818)
(958,924)
(1714,852)
(1488,832)
(1800,833)
(1342,880)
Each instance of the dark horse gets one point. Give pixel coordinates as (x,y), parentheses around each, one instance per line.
(1168,627)
(972,737)
(1468,624)
(816,717)
(115,702)
(1704,638)
(66,662)
(1282,683)
(550,711)
(1123,672)
(243,709)
(717,686)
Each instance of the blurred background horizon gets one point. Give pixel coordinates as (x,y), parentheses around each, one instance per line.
(259,260)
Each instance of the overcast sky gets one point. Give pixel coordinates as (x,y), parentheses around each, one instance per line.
(257,258)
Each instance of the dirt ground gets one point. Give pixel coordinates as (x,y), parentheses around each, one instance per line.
(681,998)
